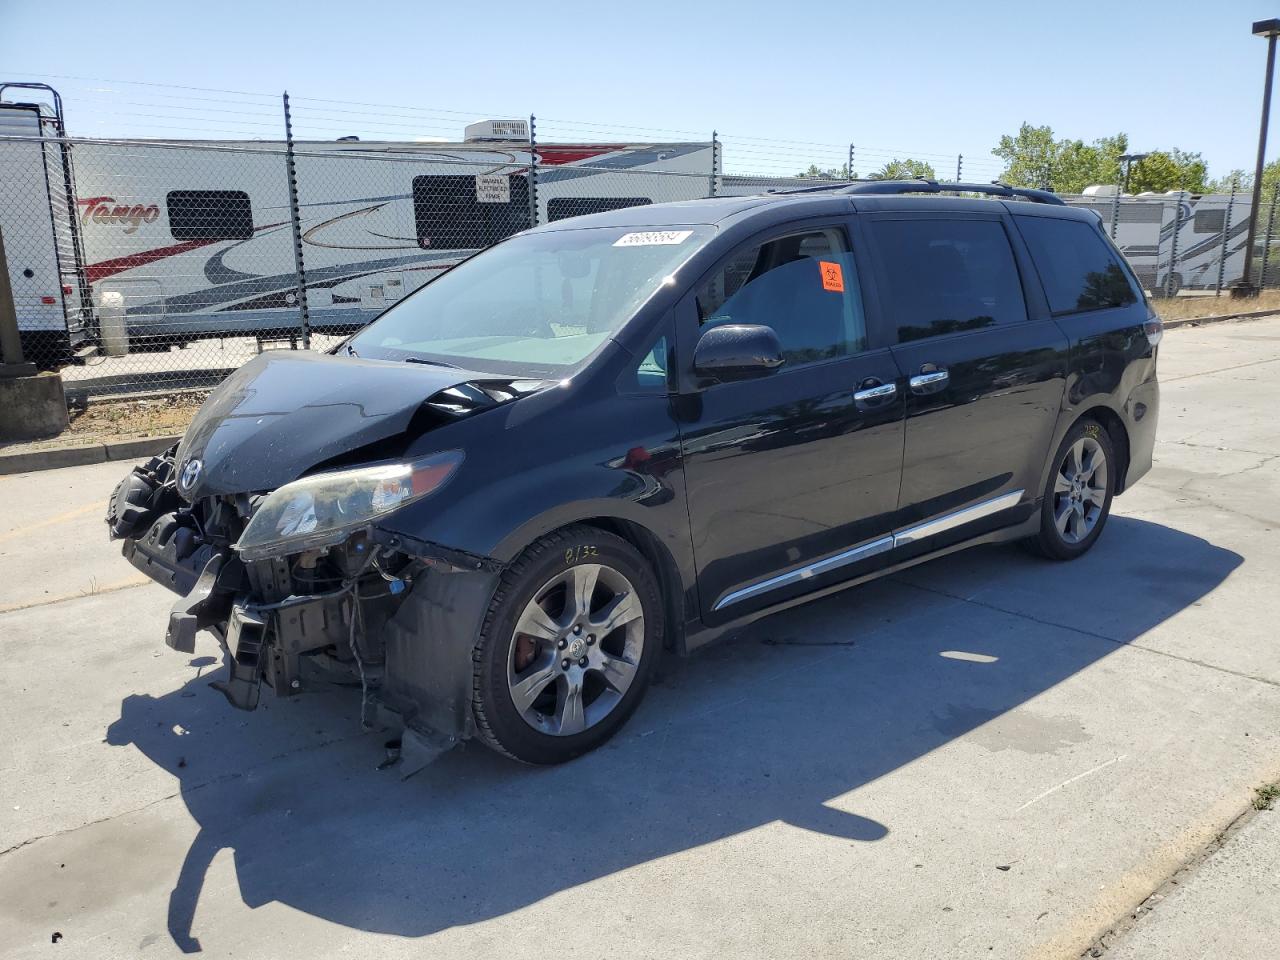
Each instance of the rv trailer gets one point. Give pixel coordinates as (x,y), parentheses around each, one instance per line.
(194,237)
(1175,241)
(38,220)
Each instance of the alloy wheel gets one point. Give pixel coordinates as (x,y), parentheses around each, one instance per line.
(576,649)
(1080,490)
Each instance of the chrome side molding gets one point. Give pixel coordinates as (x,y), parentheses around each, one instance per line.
(913,534)
(931,528)
(882,545)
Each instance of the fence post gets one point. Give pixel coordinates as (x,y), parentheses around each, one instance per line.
(959,166)
(10,338)
(1169,286)
(1266,248)
(1115,210)
(533,170)
(715,163)
(1226,238)
(295,221)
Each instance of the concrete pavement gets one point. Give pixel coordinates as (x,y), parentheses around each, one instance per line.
(988,755)
(1228,906)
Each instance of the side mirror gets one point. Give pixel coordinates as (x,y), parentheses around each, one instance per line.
(737,351)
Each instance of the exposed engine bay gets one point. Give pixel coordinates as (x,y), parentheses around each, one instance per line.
(356,612)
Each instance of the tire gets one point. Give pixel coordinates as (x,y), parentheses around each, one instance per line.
(538,646)
(1078,493)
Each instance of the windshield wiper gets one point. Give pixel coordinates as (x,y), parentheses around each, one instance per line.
(431,363)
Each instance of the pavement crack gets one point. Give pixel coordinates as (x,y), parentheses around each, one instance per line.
(1130,644)
(1208,373)
(91,823)
(184,792)
(66,597)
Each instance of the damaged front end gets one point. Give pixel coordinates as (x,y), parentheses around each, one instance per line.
(302,587)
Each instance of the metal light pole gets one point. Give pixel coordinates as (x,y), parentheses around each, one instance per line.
(1126,161)
(1269,29)
(1129,159)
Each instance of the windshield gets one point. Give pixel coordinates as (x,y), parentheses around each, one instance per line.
(536,305)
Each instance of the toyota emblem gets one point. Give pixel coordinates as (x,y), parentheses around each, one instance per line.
(190,474)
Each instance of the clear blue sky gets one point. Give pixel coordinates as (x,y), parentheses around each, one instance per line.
(906,79)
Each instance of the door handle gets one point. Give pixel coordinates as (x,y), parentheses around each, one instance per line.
(929,382)
(880,392)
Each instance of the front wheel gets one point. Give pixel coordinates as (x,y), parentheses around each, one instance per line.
(568,645)
(1077,498)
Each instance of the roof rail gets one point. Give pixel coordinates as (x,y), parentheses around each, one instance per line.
(995,188)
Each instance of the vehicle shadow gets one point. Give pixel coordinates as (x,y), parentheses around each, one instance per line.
(778,724)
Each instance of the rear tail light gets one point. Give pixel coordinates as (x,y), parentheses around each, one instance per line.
(66,289)
(1154,329)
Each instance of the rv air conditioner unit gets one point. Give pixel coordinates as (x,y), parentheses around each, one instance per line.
(497,130)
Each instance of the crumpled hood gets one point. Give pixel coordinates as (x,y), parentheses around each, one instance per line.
(284,412)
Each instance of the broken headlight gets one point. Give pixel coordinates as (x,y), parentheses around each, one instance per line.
(326,508)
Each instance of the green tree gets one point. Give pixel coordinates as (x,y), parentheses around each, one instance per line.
(1033,158)
(908,169)
(829,173)
(1163,170)
(1270,177)
(1030,158)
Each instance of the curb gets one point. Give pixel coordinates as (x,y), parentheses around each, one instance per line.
(1198,321)
(79,456)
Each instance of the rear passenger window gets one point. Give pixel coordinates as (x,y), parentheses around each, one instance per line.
(804,286)
(947,276)
(1078,269)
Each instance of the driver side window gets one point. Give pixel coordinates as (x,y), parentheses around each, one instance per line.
(804,286)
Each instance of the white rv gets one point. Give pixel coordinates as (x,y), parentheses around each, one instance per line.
(39,224)
(1176,241)
(195,237)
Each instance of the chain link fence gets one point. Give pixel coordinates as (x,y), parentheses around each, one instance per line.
(153,266)
(182,260)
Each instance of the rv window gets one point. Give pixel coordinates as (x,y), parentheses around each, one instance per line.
(450,215)
(1210,221)
(1141,212)
(561,208)
(209,215)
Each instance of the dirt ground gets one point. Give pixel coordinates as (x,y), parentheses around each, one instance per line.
(120,420)
(125,419)
(1185,308)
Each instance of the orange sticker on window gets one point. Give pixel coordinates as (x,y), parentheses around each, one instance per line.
(832,276)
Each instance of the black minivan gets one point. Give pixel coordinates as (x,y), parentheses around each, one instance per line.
(498,504)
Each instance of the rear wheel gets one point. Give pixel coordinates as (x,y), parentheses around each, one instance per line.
(568,645)
(1077,498)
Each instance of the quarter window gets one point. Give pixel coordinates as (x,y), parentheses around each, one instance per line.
(948,276)
(209,215)
(1078,269)
(804,286)
(651,372)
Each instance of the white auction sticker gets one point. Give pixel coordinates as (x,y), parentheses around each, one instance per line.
(653,238)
